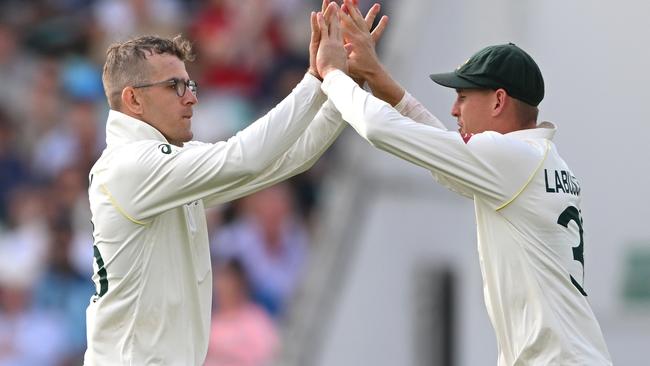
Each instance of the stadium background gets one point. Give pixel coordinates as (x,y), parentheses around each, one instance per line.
(364,260)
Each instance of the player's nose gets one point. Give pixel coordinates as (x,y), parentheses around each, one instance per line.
(455,110)
(190,98)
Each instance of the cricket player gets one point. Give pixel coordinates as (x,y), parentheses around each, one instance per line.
(150,187)
(526,198)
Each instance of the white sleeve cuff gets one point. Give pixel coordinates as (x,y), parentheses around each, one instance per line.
(329,79)
(413,109)
(406,100)
(310,78)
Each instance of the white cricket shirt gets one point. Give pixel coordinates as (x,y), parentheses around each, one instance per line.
(529,227)
(147,198)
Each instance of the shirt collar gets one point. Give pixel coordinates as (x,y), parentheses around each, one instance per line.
(544,130)
(121,129)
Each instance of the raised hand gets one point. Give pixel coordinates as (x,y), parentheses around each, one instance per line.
(315,40)
(331,54)
(360,41)
(363,61)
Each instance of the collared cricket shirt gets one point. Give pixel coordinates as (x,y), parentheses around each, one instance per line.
(147,198)
(528,216)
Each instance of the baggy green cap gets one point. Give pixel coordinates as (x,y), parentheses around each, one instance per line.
(501,66)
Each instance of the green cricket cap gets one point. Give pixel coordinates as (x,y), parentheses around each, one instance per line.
(501,66)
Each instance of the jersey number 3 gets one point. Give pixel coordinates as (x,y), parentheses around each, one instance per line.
(573,214)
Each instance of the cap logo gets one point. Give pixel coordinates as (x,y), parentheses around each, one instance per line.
(463,64)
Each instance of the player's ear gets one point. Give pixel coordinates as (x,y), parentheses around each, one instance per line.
(132,101)
(499,101)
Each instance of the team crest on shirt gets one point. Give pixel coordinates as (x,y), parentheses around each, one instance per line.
(165,148)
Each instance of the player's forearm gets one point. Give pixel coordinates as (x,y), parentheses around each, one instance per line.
(385,128)
(384,87)
(321,133)
(273,134)
(357,106)
(413,109)
(319,136)
(326,126)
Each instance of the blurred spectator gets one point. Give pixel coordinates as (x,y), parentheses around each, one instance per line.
(290,18)
(281,78)
(15,68)
(73,141)
(236,41)
(63,291)
(67,188)
(13,170)
(43,101)
(23,246)
(28,336)
(271,243)
(82,80)
(242,333)
(70,199)
(120,19)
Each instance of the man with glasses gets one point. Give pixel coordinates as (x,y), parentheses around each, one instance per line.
(149,189)
(179,85)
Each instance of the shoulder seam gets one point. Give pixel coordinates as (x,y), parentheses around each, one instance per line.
(118,207)
(548,147)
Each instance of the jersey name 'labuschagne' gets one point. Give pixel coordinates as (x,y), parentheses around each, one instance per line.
(529,222)
(147,198)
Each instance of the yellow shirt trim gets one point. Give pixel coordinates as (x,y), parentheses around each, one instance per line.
(118,207)
(548,147)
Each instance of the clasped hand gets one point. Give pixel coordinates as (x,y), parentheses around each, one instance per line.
(341,39)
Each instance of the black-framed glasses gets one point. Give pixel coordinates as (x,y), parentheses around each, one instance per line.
(179,84)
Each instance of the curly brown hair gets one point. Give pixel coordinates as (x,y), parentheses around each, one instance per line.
(126,62)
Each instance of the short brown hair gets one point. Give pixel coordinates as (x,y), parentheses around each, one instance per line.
(526,114)
(125,62)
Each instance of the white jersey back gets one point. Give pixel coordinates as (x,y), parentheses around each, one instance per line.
(529,225)
(531,251)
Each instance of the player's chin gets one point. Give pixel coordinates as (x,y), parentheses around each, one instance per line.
(185,135)
(189,136)
(186,123)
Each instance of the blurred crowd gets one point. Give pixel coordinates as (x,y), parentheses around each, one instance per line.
(250,54)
